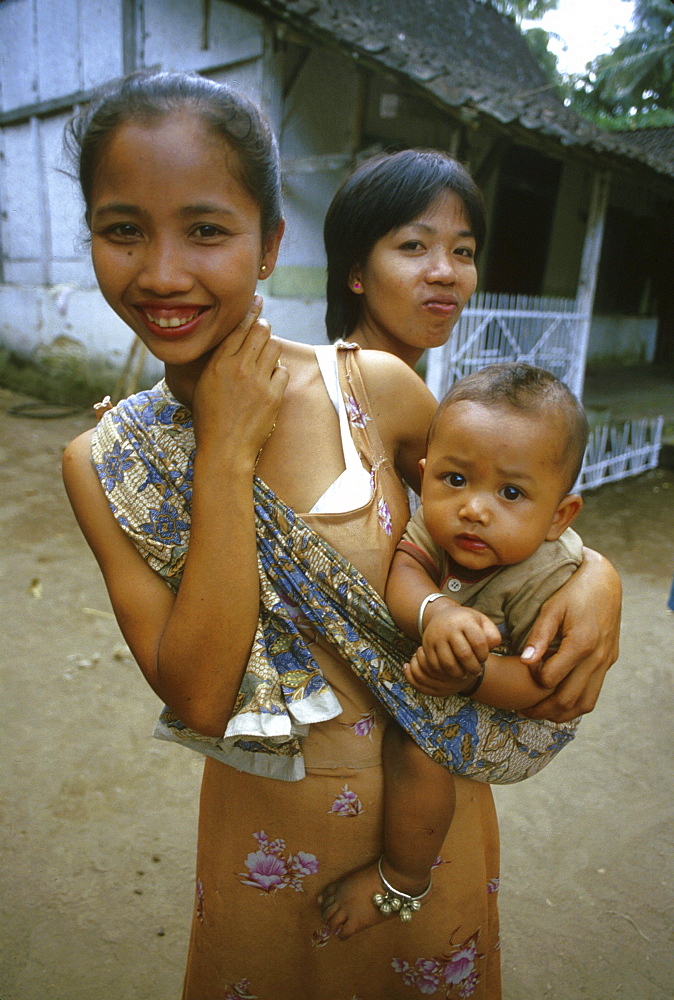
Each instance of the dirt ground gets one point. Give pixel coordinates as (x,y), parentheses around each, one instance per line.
(98,819)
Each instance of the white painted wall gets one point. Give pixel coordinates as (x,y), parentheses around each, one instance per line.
(622,340)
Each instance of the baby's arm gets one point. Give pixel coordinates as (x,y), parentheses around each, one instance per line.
(456,640)
(506,682)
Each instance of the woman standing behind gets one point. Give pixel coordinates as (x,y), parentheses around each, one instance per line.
(402,235)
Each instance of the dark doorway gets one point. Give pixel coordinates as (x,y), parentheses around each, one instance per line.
(522,222)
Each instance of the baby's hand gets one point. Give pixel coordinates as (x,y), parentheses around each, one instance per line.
(456,642)
(427,682)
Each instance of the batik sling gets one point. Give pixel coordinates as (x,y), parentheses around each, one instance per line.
(143,452)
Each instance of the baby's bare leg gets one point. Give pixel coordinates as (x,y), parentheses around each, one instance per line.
(418,808)
(419,800)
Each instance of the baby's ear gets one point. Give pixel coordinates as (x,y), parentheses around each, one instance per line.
(564,515)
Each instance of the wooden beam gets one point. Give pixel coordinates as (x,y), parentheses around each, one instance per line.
(589,267)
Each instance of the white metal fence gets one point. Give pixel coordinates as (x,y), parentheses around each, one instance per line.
(550,333)
(616,451)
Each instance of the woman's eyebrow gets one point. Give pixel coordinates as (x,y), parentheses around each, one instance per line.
(206,208)
(117,208)
(201,208)
(425,227)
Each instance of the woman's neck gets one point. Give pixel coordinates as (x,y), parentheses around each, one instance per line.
(182,379)
(375,340)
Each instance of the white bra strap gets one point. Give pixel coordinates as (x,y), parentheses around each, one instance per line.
(326,355)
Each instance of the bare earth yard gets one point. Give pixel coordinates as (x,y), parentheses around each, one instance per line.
(98,819)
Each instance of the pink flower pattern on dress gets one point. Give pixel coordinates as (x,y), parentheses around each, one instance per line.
(240,991)
(357,416)
(269,870)
(365,724)
(448,976)
(346,803)
(384,515)
(492,885)
(320,938)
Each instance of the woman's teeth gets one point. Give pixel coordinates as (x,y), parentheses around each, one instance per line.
(172,322)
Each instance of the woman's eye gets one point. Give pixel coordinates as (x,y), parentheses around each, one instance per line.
(465,252)
(511,493)
(455,479)
(412,245)
(124,231)
(207,231)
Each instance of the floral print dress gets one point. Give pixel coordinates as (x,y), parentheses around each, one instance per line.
(267,847)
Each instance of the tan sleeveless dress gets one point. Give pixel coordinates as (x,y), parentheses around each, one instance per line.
(267,847)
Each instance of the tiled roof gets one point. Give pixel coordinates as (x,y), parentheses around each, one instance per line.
(469,58)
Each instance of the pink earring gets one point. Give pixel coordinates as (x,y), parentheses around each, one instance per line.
(356,286)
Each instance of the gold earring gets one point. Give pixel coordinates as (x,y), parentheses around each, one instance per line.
(263,267)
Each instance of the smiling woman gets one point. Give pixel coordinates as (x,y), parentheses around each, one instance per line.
(178,262)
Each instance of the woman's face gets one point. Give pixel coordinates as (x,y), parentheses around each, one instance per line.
(416,281)
(176,241)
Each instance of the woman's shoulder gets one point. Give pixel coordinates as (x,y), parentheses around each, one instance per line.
(388,380)
(78,450)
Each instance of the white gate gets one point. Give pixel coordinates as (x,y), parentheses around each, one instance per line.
(548,332)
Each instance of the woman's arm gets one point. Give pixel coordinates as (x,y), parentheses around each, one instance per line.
(586,613)
(193,647)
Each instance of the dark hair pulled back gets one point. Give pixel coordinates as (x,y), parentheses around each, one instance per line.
(147,97)
(384,193)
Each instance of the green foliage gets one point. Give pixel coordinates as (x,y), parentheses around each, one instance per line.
(538,40)
(74,382)
(635,81)
(521,9)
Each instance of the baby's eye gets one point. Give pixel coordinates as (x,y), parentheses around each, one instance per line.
(455,479)
(511,493)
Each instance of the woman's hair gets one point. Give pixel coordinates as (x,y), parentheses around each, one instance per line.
(384,193)
(147,97)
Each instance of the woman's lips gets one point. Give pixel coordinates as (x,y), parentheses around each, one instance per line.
(441,307)
(171,321)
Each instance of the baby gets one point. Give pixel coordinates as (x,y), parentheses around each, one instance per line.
(486,548)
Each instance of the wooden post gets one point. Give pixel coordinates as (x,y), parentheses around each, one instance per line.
(589,266)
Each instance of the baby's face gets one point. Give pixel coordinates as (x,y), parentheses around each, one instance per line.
(492,483)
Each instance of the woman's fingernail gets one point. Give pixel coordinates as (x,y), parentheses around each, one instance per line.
(527,653)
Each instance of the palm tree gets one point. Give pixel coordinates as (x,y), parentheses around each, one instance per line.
(638,75)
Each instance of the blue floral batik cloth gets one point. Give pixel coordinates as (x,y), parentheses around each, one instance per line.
(143,452)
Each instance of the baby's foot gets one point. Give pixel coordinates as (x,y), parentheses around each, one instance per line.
(347,905)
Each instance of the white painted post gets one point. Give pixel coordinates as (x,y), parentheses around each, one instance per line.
(589,266)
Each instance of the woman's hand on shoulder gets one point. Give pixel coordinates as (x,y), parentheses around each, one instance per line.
(403,408)
(586,613)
